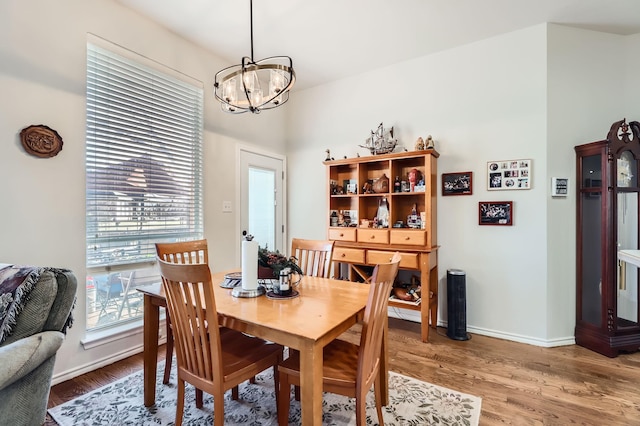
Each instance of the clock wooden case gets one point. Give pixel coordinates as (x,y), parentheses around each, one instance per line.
(608,258)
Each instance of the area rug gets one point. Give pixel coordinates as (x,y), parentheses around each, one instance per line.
(411,402)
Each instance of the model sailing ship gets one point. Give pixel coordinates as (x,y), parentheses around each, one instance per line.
(381,141)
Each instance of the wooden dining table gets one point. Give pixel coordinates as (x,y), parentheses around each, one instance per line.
(324,309)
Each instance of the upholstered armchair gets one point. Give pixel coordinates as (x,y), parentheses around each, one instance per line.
(35,311)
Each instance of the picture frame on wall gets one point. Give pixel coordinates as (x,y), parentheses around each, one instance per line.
(498,213)
(509,174)
(460,183)
(559,187)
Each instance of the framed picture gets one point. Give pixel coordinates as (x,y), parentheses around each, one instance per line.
(495,213)
(460,183)
(509,174)
(559,187)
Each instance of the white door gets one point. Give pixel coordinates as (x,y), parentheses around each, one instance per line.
(262,210)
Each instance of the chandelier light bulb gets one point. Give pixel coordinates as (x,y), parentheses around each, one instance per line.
(249,79)
(229,90)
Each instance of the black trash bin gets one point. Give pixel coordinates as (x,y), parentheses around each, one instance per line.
(456,305)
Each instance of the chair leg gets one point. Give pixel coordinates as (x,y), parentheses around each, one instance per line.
(276,383)
(361,410)
(235,394)
(377,390)
(199,398)
(296,393)
(218,409)
(169,353)
(252,380)
(284,398)
(180,405)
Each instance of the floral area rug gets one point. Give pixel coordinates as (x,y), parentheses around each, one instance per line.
(411,403)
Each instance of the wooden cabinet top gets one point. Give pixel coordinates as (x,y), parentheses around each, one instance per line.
(391,156)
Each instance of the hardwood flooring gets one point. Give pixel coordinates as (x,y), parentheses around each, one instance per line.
(519,384)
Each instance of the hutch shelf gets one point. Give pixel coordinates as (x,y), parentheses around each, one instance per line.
(364,218)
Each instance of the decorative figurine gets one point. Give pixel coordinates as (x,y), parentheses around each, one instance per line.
(381,185)
(413,219)
(419,144)
(381,141)
(429,144)
(328,155)
(383,214)
(414,177)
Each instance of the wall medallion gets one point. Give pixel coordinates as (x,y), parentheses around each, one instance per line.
(41,141)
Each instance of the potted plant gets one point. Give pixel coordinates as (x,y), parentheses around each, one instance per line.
(270,263)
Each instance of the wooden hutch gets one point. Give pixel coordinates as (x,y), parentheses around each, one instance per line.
(358,248)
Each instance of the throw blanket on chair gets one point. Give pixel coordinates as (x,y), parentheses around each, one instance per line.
(16,284)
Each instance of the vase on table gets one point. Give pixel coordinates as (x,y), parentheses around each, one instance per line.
(265,273)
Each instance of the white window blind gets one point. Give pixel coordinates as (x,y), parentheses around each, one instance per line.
(143,159)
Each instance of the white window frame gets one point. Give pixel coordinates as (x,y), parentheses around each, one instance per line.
(143,160)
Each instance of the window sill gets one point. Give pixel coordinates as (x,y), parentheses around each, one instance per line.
(96,338)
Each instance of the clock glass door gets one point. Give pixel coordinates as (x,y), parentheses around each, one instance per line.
(591,239)
(627,239)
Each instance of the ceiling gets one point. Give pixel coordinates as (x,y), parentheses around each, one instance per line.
(332,39)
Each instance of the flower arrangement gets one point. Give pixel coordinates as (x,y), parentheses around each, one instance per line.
(276,261)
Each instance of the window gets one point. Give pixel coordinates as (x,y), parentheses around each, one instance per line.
(143,175)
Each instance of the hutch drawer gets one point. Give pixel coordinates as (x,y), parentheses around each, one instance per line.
(377,236)
(350,255)
(409,237)
(342,234)
(408,261)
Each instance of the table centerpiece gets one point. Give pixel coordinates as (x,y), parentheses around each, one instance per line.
(270,263)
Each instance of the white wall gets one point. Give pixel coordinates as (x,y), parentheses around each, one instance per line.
(585,75)
(533,93)
(481,102)
(42,79)
(630,86)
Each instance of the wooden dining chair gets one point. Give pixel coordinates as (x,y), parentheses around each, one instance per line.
(313,256)
(349,369)
(208,359)
(188,252)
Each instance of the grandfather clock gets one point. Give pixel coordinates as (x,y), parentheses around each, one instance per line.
(607,242)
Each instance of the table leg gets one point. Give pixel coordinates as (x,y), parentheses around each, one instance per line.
(311,384)
(150,328)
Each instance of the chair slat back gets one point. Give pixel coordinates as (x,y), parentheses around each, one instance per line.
(314,256)
(191,303)
(184,252)
(374,320)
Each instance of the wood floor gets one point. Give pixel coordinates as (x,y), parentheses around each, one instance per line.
(519,384)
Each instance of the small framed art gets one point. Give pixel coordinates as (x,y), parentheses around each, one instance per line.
(495,213)
(559,187)
(460,183)
(509,174)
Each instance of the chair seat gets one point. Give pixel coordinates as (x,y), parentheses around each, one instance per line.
(338,370)
(241,352)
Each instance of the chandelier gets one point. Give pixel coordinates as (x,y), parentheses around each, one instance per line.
(255,85)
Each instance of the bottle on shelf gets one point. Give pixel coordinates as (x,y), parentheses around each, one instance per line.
(397,185)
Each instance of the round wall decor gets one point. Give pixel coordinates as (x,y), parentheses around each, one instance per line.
(41,141)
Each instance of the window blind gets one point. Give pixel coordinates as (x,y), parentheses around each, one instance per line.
(143,159)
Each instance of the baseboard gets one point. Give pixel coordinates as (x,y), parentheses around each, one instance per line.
(94,365)
(103,361)
(548,343)
(414,316)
